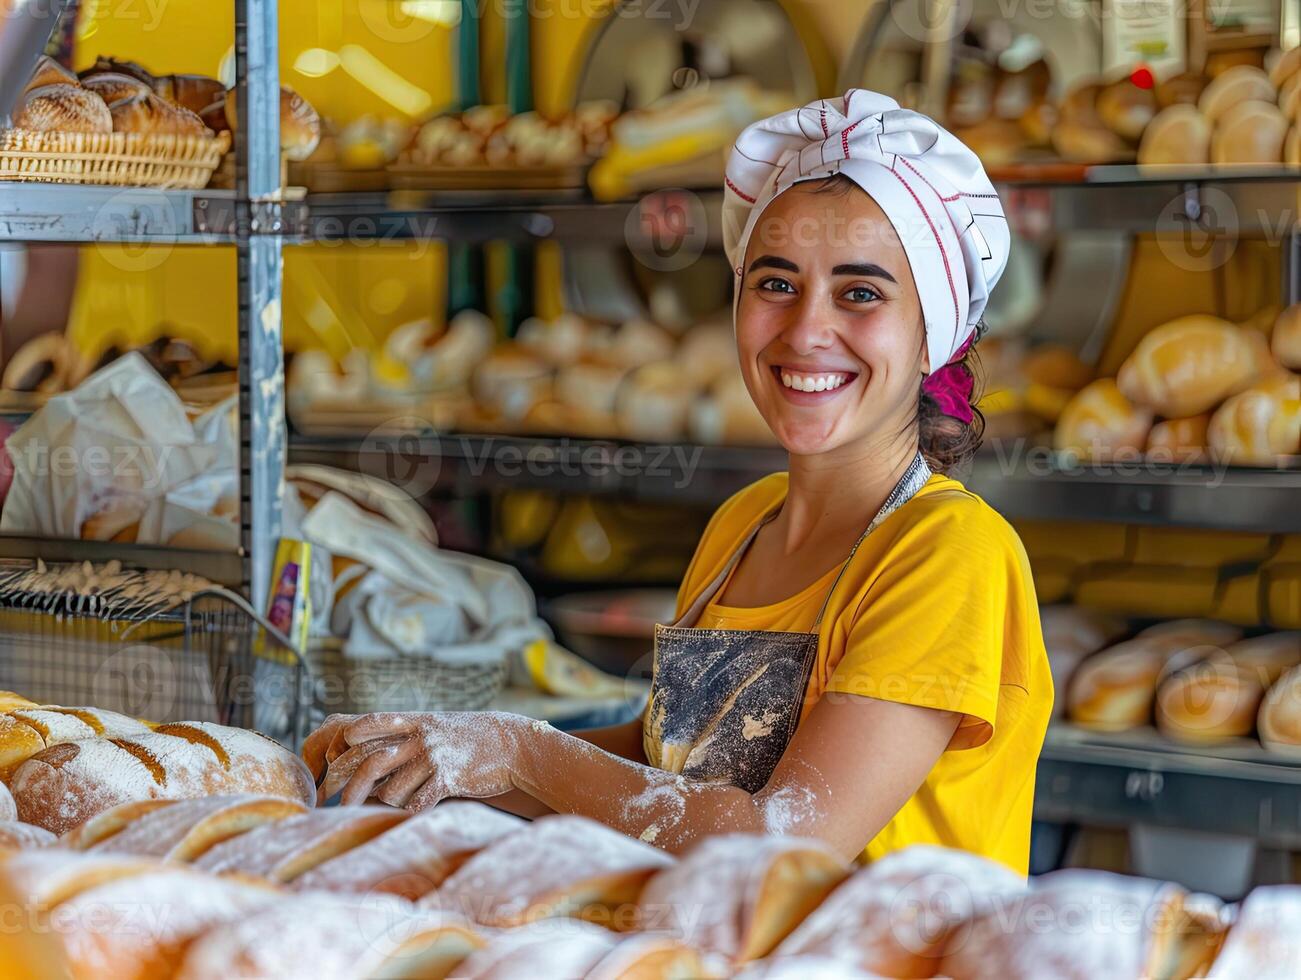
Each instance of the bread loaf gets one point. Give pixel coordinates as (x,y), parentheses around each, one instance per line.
(18,836)
(1244,83)
(300,126)
(113,87)
(591,872)
(1101,423)
(1279,719)
(1178,135)
(63,108)
(139,927)
(187,829)
(283,850)
(1190,365)
(193,92)
(415,857)
(895,917)
(112,821)
(324,936)
(26,731)
(1113,690)
(1179,440)
(64,785)
(134,69)
(9,700)
(1285,339)
(1080,925)
(48,876)
(575,949)
(1253,132)
(146,113)
(1260,426)
(1264,939)
(739,896)
(49,72)
(1209,701)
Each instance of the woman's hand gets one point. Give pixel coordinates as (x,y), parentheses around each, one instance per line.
(414,760)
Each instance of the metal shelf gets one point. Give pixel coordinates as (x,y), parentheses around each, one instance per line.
(1140,778)
(35,212)
(222,567)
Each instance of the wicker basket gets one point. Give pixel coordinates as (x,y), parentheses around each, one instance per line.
(118,159)
(342,684)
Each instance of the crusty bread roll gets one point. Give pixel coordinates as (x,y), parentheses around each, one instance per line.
(1078,925)
(511,381)
(8,810)
(113,87)
(895,917)
(1244,83)
(1178,134)
(590,872)
(112,821)
(326,936)
(300,125)
(18,836)
(1179,440)
(1260,426)
(1101,423)
(1279,720)
(739,896)
(1082,142)
(1072,633)
(50,72)
(193,92)
(415,857)
(186,830)
(1113,690)
(1285,339)
(64,785)
(1189,365)
(1126,109)
(654,402)
(1209,701)
(1267,657)
(588,388)
(1253,132)
(63,108)
(559,947)
(138,928)
(147,113)
(26,731)
(1264,939)
(282,850)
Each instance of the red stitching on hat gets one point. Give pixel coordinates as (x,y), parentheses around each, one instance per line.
(938,241)
(844,137)
(822,116)
(904,161)
(736,190)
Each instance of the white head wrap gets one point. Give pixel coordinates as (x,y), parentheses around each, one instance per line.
(929,184)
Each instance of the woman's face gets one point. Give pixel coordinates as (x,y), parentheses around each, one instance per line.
(829,325)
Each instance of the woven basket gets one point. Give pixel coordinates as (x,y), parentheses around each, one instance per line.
(342,684)
(118,159)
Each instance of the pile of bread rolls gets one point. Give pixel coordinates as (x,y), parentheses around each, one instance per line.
(1243,115)
(490,135)
(1198,681)
(259,887)
(567,376)
(1194,390)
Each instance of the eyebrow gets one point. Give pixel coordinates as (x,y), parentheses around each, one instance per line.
(870,269)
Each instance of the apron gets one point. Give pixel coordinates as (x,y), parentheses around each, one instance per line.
(724,703)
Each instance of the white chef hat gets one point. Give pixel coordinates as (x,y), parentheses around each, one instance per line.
(933,189)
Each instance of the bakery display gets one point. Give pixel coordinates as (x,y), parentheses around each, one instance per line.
(739,896)
(65,108)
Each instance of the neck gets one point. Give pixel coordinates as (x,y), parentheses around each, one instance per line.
(834,494)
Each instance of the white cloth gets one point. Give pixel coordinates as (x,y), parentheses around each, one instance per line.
(929,184)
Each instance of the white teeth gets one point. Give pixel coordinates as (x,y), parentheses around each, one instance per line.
(813,382)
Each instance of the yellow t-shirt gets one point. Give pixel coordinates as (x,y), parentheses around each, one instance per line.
(937,609)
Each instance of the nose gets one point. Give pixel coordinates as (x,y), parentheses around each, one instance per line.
(809,327)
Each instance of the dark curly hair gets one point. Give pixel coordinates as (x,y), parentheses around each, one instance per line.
(946,442)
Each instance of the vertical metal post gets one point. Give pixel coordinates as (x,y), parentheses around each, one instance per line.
(1292,267)
(261,353)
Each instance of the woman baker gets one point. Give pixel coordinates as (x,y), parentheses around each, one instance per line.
(858,654)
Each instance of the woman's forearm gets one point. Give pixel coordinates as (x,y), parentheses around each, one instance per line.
(571,775)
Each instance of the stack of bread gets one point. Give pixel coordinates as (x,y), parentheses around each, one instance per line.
(567,376)
(1196,389)
(491,136)
(1242,116)
(1198,681)
(255,887)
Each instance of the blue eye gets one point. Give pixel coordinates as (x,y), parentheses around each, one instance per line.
(776,284)
(861,294)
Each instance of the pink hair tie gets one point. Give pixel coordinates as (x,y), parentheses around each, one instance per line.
(951,386)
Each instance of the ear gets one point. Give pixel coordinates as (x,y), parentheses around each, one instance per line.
(926,352)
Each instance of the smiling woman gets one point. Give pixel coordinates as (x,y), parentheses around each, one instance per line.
(856,653)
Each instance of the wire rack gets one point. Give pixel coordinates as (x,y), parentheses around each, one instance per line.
(143,646)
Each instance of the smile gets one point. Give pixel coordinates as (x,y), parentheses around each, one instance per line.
(811,382)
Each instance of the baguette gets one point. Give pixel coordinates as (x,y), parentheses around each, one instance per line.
(187,829)
(26,731)
(18,836)
(416,856)
(327,936)
(282,851)
(860,924)
(739,896)
(65,785)
(590,872)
